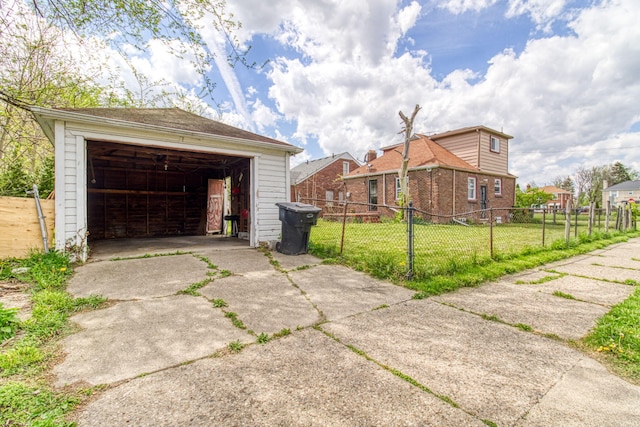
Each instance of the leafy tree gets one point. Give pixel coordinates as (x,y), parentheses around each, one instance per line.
(565,183)
(178,24)
(35,69)
(532,196)
(14,181)
(619,173)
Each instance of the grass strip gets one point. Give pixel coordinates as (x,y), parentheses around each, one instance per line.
(616,337)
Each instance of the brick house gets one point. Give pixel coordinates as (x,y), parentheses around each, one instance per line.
(560,197)
(315,181)
(449,174)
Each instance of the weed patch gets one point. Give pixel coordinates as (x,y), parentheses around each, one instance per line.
(9,322)
(235,346)
(263,338)
(234,319)
(193,288)
(283,333)
(219,303)
(560,294)
(150,256)
(617,337)
(33,405)
(25,398)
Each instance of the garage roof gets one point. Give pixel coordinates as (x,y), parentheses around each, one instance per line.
(164,119)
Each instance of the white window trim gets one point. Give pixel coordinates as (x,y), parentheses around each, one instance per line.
(345,168)
(499,182)
(398,189)
(472,187)
(497,144)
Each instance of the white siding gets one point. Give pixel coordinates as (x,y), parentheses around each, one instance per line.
(271,189)
(269,175)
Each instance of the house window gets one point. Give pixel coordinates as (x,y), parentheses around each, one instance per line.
(345,168)
(329,197)
(398,188)
(471,188)
(495,144)
(497,187)
(373,194)
(340,197)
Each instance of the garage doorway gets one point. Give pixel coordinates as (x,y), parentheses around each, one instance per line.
(138,191)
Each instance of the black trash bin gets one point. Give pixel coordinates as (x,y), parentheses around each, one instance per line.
(297,219)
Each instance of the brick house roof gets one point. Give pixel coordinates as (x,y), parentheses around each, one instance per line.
(304,170)
(423,152)
(552,189)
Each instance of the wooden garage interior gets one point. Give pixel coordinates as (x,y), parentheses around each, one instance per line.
(142,191)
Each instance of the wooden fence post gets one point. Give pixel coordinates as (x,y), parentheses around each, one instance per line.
(567,222)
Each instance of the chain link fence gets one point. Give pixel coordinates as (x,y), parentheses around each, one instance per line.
(411,243)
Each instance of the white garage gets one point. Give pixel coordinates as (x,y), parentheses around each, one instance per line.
(131,173)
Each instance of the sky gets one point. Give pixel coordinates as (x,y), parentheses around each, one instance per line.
(561,76)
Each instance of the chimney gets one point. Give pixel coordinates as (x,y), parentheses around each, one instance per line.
(371,155)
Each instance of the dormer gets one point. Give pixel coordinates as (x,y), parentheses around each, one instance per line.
(483,147)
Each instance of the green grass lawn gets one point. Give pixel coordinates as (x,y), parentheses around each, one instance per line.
(616,338)
(439,249)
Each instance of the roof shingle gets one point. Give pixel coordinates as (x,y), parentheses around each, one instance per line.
(422,152)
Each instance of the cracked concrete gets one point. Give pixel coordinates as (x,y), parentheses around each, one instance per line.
(359,351)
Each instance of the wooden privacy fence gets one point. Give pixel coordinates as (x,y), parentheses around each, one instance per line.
(20,228)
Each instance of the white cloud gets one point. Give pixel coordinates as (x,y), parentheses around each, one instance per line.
(217,44)
(542,12)
(461,6)
(559,92)
(263,116)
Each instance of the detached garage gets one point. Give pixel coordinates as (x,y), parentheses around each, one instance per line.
(128,173)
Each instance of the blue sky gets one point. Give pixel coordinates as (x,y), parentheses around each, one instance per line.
(561,76)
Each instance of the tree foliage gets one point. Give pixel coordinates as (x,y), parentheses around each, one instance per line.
(50,57)
(126,24)
(565,183)
(36,68)
(590,181)
(532,196)
(620,173)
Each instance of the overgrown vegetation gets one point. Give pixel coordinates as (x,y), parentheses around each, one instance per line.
(617,337)
(442,263)
(26,398)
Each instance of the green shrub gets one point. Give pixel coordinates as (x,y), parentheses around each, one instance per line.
(9,322)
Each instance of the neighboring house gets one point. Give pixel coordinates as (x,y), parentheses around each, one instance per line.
(320,180)
(161,172)
(621,194)
(560,197)
(449,173)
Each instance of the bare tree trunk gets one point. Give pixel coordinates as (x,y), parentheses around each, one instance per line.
(402,173)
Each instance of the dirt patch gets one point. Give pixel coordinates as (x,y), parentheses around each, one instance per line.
(14,294)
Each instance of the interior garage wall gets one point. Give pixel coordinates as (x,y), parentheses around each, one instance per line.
(132,203)
(144,192)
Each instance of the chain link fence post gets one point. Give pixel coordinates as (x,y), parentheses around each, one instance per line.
(410,254)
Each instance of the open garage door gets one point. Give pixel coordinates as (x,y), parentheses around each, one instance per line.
(142,191)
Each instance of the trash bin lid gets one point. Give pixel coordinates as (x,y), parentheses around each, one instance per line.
(298,207)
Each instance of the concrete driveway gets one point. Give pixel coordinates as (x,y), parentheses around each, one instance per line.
(348,349)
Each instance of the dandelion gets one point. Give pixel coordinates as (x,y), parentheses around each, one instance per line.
(63,268)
